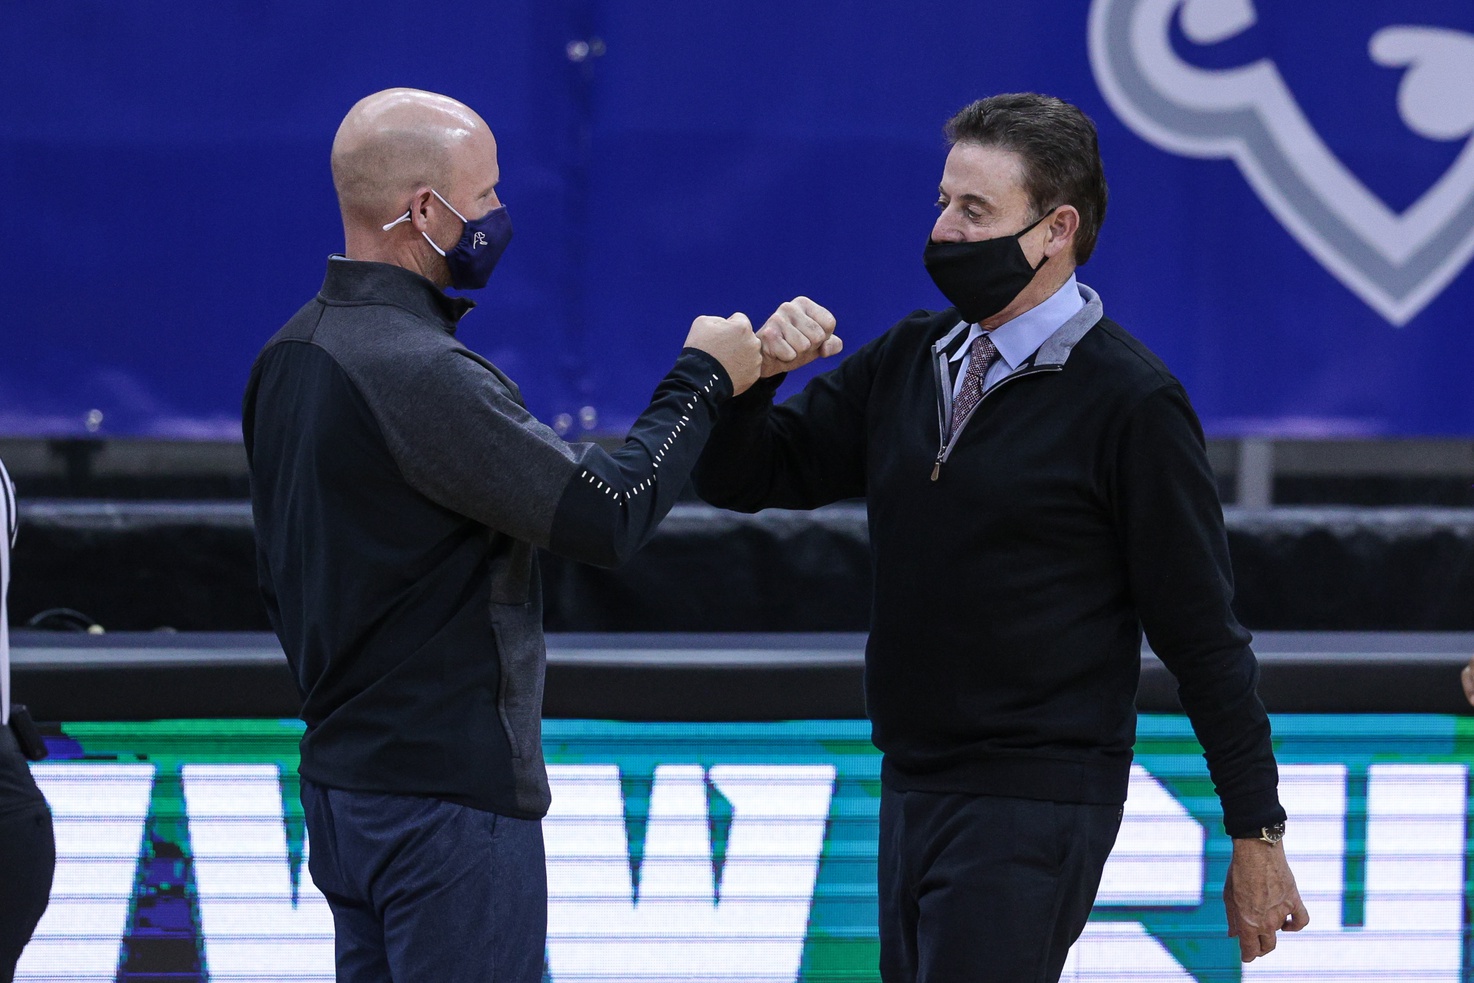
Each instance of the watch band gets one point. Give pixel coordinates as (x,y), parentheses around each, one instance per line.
(1267,834)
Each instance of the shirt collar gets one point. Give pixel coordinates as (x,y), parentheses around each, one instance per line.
(352,282)
(1019,338)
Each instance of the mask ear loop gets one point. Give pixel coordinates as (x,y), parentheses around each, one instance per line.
(405,218)
(1017,235)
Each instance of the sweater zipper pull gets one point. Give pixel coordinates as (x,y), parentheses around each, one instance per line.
(936,468)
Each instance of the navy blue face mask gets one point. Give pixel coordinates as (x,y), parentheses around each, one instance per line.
(475,255)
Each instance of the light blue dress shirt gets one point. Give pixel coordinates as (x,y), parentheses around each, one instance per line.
(1021,337)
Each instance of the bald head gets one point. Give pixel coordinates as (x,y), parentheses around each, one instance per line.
(395,142)
(397,154)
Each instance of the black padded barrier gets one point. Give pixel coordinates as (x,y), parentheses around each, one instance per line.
(191,567)
(1353,569)
(138,566)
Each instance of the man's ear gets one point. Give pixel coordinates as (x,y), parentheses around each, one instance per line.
(1061,229)
(422,208)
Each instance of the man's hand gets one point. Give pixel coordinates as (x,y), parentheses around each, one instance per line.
(1467,676)
(798,332)
(1260,897)
(730,341)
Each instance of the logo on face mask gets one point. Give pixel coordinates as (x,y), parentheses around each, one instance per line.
(1397,262)
(469,270)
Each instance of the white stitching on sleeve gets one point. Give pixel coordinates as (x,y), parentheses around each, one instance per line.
(648,483)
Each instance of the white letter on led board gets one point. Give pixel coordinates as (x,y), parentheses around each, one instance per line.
(1121,952)
(1157,862)
(1414,908)
(98,812)
(1158,857)
(682,927)
(254,926)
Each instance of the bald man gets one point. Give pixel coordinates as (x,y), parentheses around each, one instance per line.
(400,491)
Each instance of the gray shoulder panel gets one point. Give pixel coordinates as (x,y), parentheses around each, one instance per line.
(455,425)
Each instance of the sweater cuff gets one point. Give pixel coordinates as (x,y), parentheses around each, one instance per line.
(705,373)
(1245,815)
(768,387)
(759,395)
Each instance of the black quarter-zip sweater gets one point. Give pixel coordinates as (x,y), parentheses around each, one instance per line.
(1014,570)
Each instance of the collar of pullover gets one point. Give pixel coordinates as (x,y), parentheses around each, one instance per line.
(1056,348)
(351,282)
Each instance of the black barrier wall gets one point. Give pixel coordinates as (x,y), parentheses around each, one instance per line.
(191,567)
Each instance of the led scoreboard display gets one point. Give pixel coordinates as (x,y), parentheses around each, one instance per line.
(747,852)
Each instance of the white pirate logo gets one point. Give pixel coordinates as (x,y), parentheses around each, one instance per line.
(1396,262)
(478,240)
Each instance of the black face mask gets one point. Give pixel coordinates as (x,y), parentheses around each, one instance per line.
(982,278)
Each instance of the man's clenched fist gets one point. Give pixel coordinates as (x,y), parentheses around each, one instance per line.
(730,341)
(798,332)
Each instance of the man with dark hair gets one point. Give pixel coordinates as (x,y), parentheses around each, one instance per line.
(1057,146)
(1038,492)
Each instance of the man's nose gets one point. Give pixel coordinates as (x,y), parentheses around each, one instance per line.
(946,229)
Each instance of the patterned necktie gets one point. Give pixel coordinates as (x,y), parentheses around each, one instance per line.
(984,354)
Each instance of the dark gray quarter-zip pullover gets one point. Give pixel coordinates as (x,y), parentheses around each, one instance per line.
(400,489)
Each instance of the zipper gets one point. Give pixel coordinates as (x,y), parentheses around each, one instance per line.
(944,448)
(944,392)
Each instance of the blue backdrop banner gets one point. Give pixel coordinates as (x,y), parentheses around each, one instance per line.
(1291,218)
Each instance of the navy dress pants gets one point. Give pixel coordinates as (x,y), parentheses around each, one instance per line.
(986,889)
(427,891)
